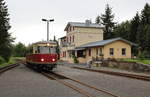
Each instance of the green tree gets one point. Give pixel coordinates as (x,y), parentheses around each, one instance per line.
(135,22)
(107,21)
(123,30)
(98,20)
(5,37)
(57,47)
(143,35)
(54,38)
(145,14)
(137,30)
(19,50)
(2,60)
(29,49)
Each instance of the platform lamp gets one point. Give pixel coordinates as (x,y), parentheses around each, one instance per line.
(51,20)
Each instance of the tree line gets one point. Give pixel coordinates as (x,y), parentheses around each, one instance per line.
(136,30)
(5,37)
(7,49)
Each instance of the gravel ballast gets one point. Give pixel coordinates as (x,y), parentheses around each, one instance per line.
(24,82)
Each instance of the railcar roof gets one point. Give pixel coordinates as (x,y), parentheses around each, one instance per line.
(45,42)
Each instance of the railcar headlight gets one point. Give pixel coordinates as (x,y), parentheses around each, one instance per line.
(42,59)
(53,60)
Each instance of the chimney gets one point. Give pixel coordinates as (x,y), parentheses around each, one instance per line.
(88,22)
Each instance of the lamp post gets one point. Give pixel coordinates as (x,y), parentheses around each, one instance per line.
(51,20)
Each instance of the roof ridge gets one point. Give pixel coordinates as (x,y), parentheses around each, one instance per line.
(83,23)
(104,42)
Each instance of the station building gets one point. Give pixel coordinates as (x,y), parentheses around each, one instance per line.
(85,41)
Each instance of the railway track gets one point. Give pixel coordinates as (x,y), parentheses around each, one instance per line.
(3,69)
(56,77)
(135,76)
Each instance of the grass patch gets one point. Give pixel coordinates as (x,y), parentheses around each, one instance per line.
(137,60)
(18,58)
(12,60)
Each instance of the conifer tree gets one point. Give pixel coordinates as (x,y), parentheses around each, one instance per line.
(57,47)
(143,35)
(135,22)
(107,21)
(19,50)
(122,30)
(145,14)
(5,37)
(97,20)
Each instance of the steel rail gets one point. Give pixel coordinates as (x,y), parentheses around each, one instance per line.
(90,86)
(69,85)
(135,76)
(3,69)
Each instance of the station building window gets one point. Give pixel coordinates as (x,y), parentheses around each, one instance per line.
(81,53)
(111,51)
(72,27)
(123,51)
(70,39)
(97,51)
(64,54)
(100,51)
(89,52)
(67,39)
(73,38)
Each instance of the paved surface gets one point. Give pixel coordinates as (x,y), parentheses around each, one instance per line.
(23,82)
(125,87)
(105,68)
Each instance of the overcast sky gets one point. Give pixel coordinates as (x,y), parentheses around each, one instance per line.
(26,15)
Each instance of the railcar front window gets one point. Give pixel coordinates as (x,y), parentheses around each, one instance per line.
(46,50)
(53,50)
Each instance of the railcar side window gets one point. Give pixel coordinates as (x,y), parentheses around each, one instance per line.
(38,49)
(35,49)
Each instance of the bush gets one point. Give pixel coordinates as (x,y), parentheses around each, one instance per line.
(2,60)
(144,55)
(5,51)
(19,50)
(75,59)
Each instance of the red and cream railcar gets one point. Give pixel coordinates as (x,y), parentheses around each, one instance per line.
(43,55)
